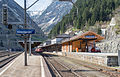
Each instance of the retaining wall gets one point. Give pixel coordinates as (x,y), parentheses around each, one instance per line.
(110,46)
(104,59)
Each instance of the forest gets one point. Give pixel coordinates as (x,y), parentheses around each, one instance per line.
(89,12)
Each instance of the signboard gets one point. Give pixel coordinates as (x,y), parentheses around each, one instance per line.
(25,31)
(90,36)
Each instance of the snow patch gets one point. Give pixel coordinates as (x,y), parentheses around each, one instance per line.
(48,13)
(35,13)
(52,20)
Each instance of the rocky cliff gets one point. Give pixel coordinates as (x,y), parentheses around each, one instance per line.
(111,43)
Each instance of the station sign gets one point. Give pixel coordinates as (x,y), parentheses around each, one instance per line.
(25,31)
(90,36)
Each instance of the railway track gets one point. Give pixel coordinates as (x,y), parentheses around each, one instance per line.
(4,53)
(67,67)
(6,58)
(59,69)
(103,69)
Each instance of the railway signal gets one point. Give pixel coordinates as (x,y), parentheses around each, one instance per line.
(9,26)
(4,14)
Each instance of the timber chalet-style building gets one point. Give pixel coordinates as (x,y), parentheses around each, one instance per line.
(81,43)
(78,43)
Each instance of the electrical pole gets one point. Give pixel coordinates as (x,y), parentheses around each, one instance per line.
(25,37)
(75,7)
(5,22)
(25,27)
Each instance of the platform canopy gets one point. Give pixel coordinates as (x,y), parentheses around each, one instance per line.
(52,47)
(85,36)
(33,43)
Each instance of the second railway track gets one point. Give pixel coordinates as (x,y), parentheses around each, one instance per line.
(59,69)
(7,57)
(67,67)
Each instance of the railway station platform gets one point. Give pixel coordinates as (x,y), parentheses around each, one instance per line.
(36,67)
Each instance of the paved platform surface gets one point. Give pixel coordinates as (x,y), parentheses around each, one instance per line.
(17,69)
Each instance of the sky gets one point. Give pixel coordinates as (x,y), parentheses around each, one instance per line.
(39,6)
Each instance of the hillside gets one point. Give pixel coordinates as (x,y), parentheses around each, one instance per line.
(90,12)
(52,15)
(8,38)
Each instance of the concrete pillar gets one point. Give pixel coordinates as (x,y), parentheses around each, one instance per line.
(69,46)
(80,47)
(94,44)
(72,46)
(30,46)
(119,57)
(86,46)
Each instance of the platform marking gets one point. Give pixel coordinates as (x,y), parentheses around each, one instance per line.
(8,67)
(42,68)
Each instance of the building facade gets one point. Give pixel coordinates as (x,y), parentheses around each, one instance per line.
(81,43)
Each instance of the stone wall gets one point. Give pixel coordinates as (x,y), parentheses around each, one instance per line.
(108,59)
(109,46)
(111,43)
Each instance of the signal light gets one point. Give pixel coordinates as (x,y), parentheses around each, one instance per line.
(4,14)
(9,26)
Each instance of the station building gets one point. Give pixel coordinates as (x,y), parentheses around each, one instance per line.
(55,44)
(81,43)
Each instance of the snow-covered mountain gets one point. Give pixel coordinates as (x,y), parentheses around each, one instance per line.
(15,14)
(35,14)
(52,15)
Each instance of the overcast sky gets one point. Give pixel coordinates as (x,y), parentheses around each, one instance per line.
(39,6)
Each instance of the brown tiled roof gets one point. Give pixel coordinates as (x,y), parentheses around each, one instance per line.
(82,36)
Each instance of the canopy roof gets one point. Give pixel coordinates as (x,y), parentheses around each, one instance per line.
(34,43)
(85,36)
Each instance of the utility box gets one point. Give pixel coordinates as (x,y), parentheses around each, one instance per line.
(112,61)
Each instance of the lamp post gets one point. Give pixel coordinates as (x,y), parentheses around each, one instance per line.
(25,27)
(25,38)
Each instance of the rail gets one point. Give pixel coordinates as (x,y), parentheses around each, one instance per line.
(47,58)
(7,59)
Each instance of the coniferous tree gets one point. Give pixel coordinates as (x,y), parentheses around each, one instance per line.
(90,11)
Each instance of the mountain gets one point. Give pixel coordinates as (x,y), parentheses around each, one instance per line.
(8,38)
(52,15)
(90,12)
(35,14)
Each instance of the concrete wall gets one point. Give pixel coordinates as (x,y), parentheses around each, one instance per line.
(56,40)
(104,59)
